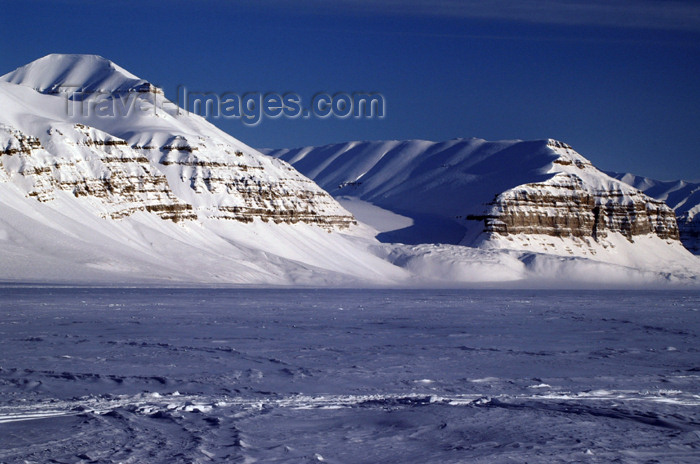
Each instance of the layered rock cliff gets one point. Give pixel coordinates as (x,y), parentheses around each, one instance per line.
(88,164)
(682,196)
(81,124)
(566,205)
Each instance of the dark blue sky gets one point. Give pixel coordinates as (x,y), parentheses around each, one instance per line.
(618,80)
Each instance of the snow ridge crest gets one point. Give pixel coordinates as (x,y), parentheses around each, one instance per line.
(69,73)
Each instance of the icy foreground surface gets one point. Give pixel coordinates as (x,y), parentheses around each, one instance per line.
(348,376)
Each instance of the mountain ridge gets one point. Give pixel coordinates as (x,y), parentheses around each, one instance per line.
(162,197)
(465,182)
(154,196)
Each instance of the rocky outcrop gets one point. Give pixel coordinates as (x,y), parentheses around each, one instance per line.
(100,168)
(247,192)
(563,207)
(680,195)
(578,201)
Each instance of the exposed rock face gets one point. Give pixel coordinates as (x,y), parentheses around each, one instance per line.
(567,206)
(139,152)
(97,166)
(219,172)
(579,213)
(682,196)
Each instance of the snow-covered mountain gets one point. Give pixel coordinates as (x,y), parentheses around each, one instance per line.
(681,195)
(103,180)
(539,196)
(84,125)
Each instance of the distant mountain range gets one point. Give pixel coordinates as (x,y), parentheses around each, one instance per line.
(102,180)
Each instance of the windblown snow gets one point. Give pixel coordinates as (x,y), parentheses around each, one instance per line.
(163,376)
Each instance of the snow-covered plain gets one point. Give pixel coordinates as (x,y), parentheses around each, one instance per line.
(348,376)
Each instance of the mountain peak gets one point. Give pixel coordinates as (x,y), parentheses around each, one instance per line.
(558,144)
(68,73)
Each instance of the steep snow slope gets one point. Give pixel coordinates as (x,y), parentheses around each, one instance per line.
(64,241)
(539,196)
(68,74)
(681,195)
